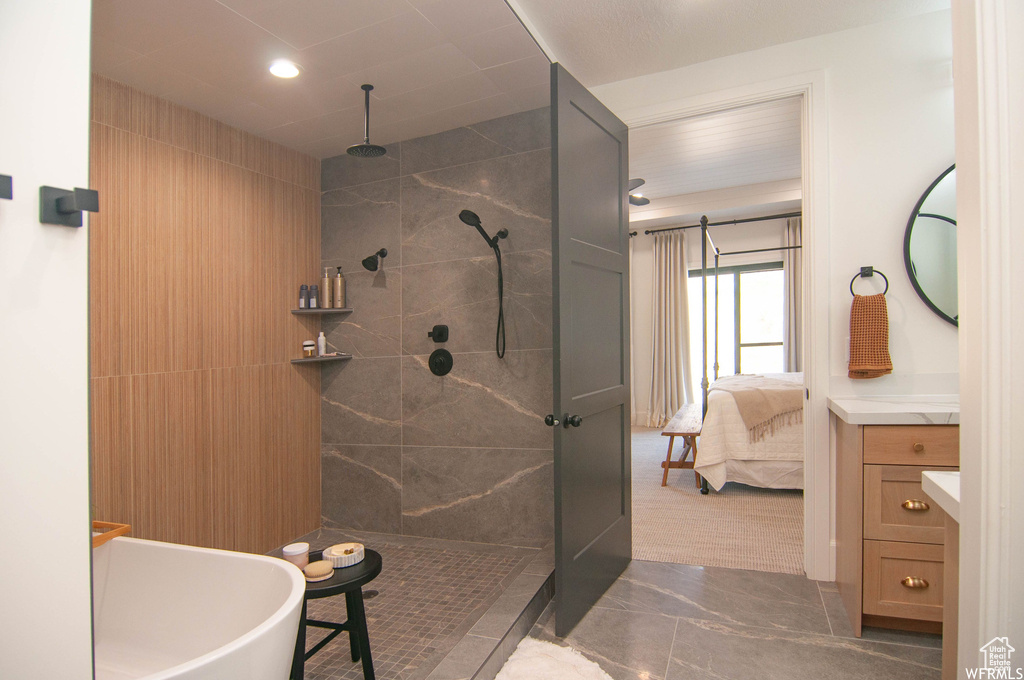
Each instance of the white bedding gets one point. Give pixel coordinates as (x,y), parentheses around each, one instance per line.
(726,454)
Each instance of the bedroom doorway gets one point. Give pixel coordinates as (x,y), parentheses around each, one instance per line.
(725,189)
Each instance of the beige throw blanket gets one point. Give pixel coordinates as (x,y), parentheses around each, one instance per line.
(764,403)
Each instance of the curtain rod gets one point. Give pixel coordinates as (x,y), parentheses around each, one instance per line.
(726,222)
(761,250)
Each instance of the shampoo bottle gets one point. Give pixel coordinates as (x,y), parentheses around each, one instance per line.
(325,289)
(321,345)
(303,296)
(339,290)
(314,297)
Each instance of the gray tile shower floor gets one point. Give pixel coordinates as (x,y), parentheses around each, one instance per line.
(663,621)
(429,594)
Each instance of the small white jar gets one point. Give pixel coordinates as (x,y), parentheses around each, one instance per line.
(297,554)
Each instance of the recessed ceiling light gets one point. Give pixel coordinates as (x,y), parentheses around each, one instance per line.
(637,195)
(283,68)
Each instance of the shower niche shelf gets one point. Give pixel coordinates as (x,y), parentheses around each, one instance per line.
(320,360)
(322,310)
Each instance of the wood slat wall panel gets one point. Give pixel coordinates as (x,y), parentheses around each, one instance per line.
(123,107)
(172,457)
(203,432)
(236,459)
(110,245)
(111,438)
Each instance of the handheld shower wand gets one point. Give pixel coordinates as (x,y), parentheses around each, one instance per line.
(472,219)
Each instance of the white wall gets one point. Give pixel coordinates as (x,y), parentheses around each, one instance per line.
(45,585)
(890,133)
(990,175)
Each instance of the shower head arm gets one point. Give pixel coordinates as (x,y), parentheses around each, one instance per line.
(366,115)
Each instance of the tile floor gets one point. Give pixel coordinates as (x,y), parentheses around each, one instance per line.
(429,594)
(669,622)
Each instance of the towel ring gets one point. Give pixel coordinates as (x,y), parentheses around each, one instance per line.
(867,272)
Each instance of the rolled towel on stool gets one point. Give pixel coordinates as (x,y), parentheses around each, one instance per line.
(869,337)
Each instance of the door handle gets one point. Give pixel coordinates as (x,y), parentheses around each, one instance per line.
(6,187)
(550,420)
(568,420)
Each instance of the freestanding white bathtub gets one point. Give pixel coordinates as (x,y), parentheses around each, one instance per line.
(162,610)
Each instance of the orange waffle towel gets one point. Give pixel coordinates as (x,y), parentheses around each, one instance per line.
(869,337)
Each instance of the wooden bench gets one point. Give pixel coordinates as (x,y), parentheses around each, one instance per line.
(686,424)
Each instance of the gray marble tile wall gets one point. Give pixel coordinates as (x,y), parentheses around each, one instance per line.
(465,456)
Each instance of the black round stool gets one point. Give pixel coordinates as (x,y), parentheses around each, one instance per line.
(348,580)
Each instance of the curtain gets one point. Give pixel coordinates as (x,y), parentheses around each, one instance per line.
(670,369)
(793,314)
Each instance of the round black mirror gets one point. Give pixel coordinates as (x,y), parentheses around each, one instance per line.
(929,246)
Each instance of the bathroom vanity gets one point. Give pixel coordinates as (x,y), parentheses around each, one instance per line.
(889,533)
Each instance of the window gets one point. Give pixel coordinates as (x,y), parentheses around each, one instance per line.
(750,320)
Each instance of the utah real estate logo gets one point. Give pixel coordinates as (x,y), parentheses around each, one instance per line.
(998,663)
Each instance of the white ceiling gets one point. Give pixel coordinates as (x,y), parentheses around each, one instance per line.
(602,41)
(435,64)
(749,145)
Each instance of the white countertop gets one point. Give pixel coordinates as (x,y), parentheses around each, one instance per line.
(935,409)
(943,488)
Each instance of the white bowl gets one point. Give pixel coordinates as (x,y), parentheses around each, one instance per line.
(336,554)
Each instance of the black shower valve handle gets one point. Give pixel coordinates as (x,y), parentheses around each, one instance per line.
(568,420)
(550,420)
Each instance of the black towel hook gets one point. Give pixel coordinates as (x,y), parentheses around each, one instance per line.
(867,272)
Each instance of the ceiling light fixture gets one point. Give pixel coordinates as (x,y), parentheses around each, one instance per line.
(283,68)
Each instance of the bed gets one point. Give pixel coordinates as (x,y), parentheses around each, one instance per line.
(727,453)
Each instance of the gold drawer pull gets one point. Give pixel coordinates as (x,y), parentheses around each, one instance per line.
(914,582)
(918,448)
(915,505)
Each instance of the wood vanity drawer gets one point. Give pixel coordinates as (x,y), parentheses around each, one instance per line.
(903,580)
(895,507)
(926,445)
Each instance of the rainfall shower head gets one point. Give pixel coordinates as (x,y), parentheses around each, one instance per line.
(372,262)
(366,150)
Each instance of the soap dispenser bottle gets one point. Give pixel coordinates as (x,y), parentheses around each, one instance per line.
(339,290)
(325,289)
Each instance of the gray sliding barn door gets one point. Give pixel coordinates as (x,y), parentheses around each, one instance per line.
(590,253)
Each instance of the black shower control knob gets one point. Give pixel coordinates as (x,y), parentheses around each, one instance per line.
(568,420)
(550,420)
(440,362)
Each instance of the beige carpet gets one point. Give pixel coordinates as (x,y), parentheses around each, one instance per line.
(740,527)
